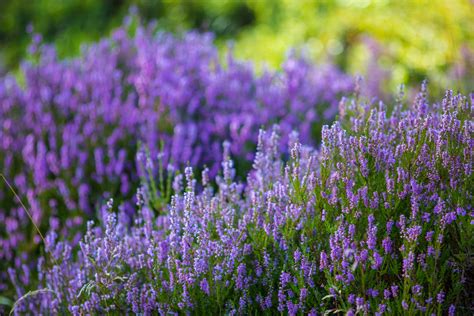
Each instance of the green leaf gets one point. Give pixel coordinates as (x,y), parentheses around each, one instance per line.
(5,301)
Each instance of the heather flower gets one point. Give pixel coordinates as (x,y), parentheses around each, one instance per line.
(260,246)
(382,308)
(452,310)
(394,289)
(372,233)
(71,128)
(323,261)
(387,245)
(429,235)
(412,233)
(440,297)
(417,289)
(378,260)
(404,305)
(408,264)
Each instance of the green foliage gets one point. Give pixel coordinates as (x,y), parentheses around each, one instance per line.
(70,23)
(407,41)
(410,40)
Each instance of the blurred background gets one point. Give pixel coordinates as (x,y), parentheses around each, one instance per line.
(388,42)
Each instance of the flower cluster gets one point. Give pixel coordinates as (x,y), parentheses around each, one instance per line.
(69,129)
(378,221)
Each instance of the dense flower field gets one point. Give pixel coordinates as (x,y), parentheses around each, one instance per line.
(351,206)
(70,129)
(378,221)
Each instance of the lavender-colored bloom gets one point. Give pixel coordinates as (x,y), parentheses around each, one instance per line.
(431,251)
(452,310)
(408,264)
(372,233)
(440,297)
(372,292)
(412,233)
(429,236)
(387,245)
(404,305)
(417,289)
(359,302)
(394,289)
(285,279)
(378,260)
(351,298)
(382,308)
(204,286)
(323,261)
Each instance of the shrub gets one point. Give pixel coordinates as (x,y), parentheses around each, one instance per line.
(379,221)
(70,128)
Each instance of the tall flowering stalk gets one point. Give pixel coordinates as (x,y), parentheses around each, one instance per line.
(379,221)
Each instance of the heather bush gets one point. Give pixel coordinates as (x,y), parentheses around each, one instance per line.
(70,129)
(378,221)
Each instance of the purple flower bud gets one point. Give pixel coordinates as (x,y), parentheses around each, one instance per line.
(204,285)
(404,305)
(452,310)
(394,289)
(440,297)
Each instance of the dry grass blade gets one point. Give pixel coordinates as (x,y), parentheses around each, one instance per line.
(30,293)
(30,216)
(24,207)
